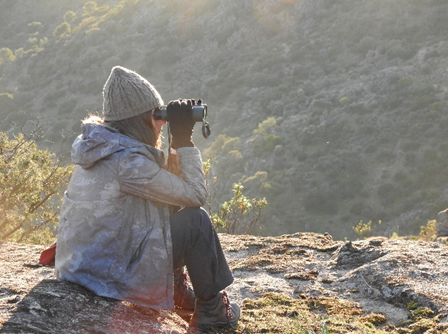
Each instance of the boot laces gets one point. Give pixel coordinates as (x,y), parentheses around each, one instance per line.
(226,303)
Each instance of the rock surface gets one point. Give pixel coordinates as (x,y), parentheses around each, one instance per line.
(382,275)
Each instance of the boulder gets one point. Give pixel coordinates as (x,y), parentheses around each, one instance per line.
(442,224)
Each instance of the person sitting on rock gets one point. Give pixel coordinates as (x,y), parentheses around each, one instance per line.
(128,222)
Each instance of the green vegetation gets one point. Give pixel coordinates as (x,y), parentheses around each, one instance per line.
(335,114)
(32,181)
(6,55)
(428,232)
(62,30)
(265,139)
(363,229)
(239,215)
(278,313)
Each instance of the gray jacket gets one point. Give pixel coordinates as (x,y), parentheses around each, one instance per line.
(114,232)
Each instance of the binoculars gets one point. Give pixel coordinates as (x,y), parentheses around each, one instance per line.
(198,113)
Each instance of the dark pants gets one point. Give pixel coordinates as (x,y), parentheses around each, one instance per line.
(196,245)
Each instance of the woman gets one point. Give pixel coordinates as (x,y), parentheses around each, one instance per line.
(119,234)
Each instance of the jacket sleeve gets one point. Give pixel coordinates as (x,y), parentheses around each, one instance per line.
(172,164)
(143,177)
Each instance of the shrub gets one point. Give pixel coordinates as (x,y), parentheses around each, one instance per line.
(87,24)
(258,182)
(266,144)
(266,141)
(239,215)
(89,8)
(30,188)
(428,232)
(62,30)
(221,144)
(231,144)
(265,127)
(363,229)
(34,27)
(70,16)
(6,55)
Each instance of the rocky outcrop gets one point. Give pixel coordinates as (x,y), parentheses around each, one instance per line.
(442,223)
(384,276)
(33,301)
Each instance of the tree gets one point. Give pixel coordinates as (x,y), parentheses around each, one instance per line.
(69,16)
(6,55)
(31,182)
(62,30)
(34,27)
(266,140)
(266,127)
(90,7)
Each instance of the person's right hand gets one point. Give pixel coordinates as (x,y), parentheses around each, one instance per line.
(181,123)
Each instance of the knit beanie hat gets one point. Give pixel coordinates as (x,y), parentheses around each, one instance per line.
(127,94)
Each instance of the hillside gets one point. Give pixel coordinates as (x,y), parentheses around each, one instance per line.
(335,110)
(285,284)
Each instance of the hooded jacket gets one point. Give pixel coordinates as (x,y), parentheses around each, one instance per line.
(114,230)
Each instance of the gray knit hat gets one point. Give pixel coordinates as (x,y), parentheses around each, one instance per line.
(127,94)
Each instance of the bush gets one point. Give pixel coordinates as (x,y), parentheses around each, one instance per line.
(266,144)
(70,16)
(34,27)
(90,7)
(62,30)
(31,184)
(266,141)
(240,215)
(428,232)
(6,55)
(258,182)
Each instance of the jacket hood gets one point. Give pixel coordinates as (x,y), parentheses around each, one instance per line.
(98,142)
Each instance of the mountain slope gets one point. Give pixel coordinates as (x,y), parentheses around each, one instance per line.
(333,110)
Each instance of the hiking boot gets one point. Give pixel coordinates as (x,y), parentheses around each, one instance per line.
(184,296)
(216,313)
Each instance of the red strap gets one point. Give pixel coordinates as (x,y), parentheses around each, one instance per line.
(47,257)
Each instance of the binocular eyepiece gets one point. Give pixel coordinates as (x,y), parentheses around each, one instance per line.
(198,113)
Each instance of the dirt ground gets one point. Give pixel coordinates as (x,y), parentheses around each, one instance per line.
(383,276)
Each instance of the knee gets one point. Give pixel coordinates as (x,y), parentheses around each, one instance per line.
(197,215)
(192,216)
